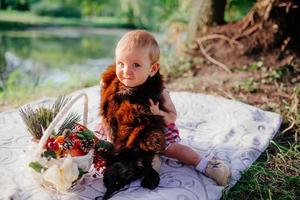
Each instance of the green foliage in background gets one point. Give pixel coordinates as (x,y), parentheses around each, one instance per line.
(14,95)
(139,13)
(150,14)
(154,14)
(15,4)
(56,9)
(237,9)
(2,69)
(14,20)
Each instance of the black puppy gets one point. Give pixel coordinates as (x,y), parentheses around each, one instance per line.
(126,166)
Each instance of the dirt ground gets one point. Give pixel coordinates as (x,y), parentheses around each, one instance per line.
(250,81)
(276,90)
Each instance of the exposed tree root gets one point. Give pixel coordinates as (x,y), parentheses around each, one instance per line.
(270,27)
(208,57)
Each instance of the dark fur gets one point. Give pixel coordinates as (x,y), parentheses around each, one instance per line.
(136,133)
(126,111)
(127,166)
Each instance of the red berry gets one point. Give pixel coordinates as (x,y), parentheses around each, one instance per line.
(49,140)
(77,142)
(76,152)
(73,136)
(79,128)
(52,145)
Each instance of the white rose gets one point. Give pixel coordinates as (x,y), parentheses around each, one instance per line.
(63,176)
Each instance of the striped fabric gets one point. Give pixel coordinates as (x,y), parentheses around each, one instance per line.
(172,134)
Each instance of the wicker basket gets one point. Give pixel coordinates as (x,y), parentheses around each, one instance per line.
(65,172)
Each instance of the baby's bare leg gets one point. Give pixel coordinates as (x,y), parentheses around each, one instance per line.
(183,154)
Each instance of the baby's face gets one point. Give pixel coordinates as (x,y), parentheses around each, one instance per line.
(133,66)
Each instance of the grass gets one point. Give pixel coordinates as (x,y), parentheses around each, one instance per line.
(14,97)
(276,174)
(12,20)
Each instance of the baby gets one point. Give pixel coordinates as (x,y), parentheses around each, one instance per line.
(137,60)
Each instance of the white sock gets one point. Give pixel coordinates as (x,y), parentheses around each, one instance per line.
(201,166)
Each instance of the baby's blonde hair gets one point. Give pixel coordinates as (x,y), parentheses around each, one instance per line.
(140,39)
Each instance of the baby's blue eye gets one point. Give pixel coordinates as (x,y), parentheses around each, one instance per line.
(136,65)
(120,64)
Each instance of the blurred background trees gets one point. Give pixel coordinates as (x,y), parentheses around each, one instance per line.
(155,14)
(205,13)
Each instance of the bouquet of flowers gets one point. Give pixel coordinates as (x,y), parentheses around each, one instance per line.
(60,158)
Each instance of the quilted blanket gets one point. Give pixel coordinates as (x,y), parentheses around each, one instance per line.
(214,126)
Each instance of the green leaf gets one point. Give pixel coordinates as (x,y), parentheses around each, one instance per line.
(36,166)
(81,172)
(103,144)
(49,154)
(86,134)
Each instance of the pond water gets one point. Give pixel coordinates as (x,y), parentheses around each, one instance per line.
(53,57)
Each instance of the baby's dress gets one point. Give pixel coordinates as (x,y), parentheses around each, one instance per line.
(172,134)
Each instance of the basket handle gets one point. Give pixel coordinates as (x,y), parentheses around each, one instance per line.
(61,113)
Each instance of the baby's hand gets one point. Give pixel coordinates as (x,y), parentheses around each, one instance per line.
(154,107)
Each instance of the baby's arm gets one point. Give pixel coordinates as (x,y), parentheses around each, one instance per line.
(101,131)
(170,114)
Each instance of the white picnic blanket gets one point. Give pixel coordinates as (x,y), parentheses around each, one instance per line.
(232,131)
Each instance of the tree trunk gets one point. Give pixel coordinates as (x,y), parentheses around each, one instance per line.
(218,14)
(204,14)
